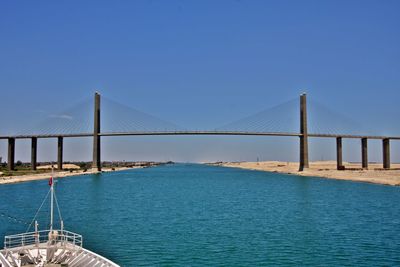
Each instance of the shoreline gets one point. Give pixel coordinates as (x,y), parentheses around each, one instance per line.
(58,175)
(326,169)
(322,169)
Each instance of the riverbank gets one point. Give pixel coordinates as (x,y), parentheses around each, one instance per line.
(57,174)
(326,169)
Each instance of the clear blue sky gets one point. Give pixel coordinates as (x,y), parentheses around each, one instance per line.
(200,64)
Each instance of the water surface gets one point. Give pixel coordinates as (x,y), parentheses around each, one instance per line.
(197,215)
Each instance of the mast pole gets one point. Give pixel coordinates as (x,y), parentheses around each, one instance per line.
(52,200)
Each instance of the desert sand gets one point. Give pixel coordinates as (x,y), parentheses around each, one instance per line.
(66,166)
(57,174)
(327,169)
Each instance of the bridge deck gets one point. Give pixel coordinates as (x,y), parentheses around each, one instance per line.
(237,133)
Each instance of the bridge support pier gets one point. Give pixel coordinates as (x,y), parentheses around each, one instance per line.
(96,131)
(304,133)
(339,154)
(11,153)
(60,153)
(386,153)
(33,153)
(364,153)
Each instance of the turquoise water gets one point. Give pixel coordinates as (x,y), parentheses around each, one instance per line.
(196,215)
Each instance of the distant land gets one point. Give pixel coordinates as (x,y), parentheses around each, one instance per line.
(23,172)
(326,169)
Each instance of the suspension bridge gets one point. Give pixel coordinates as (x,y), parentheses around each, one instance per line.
(130,122)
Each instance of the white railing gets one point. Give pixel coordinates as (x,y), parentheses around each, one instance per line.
(40,238)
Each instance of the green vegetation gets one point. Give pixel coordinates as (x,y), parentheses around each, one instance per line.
(25,168)
(19,170)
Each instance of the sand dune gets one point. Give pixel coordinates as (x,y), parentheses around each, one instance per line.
(66,166)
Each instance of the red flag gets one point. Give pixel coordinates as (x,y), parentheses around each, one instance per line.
(51,181)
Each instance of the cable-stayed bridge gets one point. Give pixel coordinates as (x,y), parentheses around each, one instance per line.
(104,117)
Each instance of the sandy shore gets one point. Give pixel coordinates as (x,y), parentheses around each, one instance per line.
(57,174)
(327,169)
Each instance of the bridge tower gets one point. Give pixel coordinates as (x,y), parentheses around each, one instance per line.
(96,131)
(304,133)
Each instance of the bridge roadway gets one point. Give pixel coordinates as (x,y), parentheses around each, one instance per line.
(211,132)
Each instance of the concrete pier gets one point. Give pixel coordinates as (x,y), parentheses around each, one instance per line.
(33,153)
(304,133)
(60,153)
(96,131)
(11,153)
(339,154)
(386,153)
(364,153)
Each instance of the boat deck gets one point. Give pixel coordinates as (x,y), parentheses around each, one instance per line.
(68,256)
(57,248)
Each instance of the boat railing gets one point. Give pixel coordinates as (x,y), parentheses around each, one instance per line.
(41,238)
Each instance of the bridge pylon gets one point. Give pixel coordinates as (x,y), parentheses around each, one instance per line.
(304,133)
(96,131)
(11,153)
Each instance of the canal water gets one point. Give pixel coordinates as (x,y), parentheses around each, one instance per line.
(198,215)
